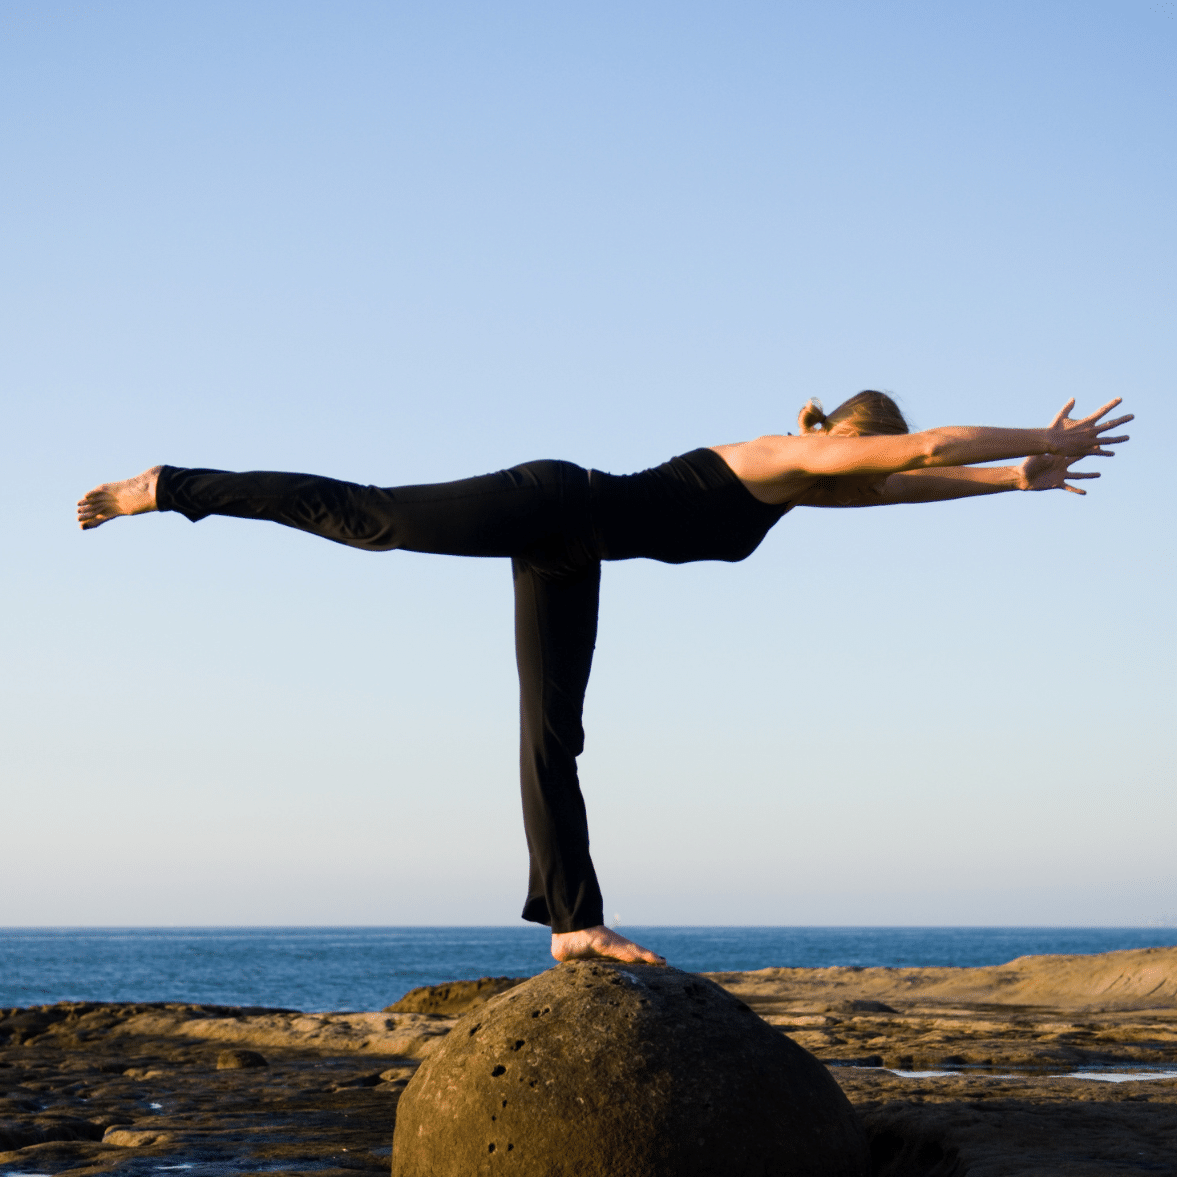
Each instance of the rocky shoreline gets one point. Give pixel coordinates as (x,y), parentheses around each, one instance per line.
(201,1090)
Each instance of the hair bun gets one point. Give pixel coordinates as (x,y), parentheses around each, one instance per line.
(812,416)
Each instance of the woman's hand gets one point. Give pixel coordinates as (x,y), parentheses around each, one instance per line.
(1083,438)
(1050,471)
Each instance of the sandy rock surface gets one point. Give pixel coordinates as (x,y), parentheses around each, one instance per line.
(1137,978)
(1052,1012)
(134,1089)
(408,1034)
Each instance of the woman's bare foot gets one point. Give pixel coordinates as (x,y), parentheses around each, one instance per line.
(600,942)
(132,496)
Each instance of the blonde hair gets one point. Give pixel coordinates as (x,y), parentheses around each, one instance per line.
(865,414)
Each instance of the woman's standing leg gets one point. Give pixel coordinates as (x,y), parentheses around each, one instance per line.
(555,632)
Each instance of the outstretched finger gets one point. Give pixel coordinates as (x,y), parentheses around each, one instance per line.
(1101,412)
(1081,474)
(1061,415)
(1074,489)
(1116,421)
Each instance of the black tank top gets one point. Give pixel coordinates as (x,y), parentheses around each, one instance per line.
(690,508)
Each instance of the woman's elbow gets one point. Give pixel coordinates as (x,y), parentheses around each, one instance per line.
(932,450)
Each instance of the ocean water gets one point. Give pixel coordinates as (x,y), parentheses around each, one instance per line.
(320,969)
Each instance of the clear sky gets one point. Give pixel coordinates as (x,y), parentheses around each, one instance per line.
(409,242)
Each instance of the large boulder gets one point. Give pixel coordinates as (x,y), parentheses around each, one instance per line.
(607,1070)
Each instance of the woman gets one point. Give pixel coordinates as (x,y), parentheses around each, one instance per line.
(557,522)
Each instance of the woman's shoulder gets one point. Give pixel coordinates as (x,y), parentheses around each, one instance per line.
(758,463)
(750,458)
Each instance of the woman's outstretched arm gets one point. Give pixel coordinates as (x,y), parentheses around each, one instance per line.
(937,485)
(780,469)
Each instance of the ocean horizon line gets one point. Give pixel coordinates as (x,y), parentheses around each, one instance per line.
(1148,926)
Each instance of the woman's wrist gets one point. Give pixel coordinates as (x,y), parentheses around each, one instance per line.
(1005,477)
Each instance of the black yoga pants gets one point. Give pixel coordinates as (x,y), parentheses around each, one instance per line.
(538,515)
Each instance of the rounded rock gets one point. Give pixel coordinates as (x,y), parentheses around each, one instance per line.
(619,1070)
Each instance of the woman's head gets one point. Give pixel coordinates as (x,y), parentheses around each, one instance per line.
(866,414)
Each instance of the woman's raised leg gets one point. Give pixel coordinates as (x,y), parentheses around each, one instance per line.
(499,514)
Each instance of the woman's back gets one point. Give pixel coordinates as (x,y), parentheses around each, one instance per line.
(690,508)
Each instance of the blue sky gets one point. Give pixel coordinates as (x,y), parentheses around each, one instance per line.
(410,242)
